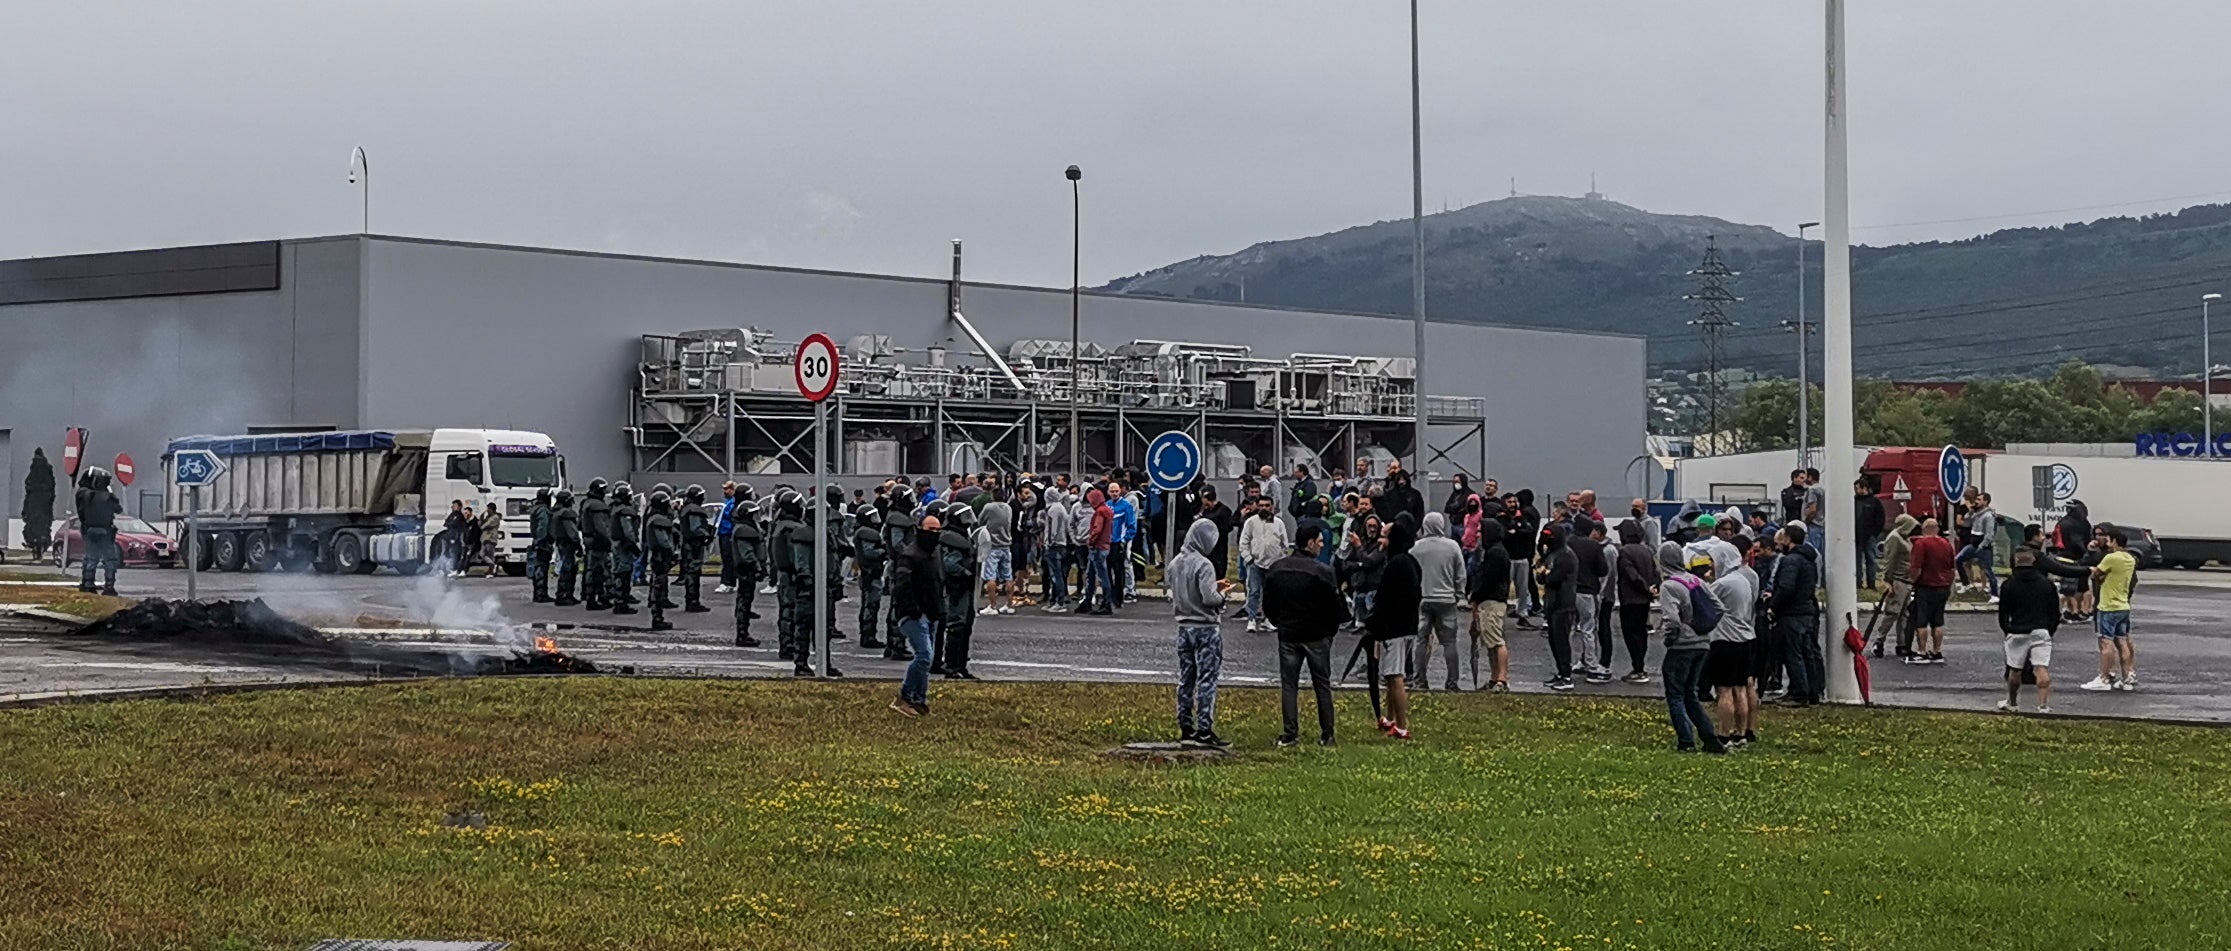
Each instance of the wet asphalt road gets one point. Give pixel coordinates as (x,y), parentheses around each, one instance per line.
(2183,648)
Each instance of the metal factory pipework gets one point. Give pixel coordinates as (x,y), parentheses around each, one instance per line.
(723,401)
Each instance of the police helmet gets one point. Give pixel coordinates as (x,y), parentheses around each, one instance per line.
(936,509)
(743,491)
(663,487)
(902,497)
(790,504)
(834,493)
(596,488)
(660,500)
(622,492)
(964,517)
(867,514)
(565,496)
(694,494)
(542,495)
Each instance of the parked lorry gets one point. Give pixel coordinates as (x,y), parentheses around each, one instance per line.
(349,502)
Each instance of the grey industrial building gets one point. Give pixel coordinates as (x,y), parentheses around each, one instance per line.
(387,332)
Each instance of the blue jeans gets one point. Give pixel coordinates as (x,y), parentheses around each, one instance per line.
(1979,553)
(915,687)
(1360,605)
(1868,562)
(1807,669)
(1096,580)
(1254,592)
(1057,581)
(1200,661)
(1684,677)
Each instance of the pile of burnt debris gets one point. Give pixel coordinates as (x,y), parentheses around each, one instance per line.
(253,627)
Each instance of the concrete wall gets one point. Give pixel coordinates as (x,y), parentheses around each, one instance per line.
(137,371)
(470,335)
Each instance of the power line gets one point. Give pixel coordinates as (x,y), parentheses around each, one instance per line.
(2045,211)
(1713,278)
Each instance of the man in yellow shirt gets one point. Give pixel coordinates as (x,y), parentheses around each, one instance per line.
(2115,576)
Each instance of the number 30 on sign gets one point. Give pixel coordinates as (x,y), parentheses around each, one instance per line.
(816,367)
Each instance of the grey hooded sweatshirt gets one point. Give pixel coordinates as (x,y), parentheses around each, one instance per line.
(1192,578)
(1675,615)
(1440,562)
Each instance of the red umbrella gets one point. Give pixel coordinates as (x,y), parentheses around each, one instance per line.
(1856,643)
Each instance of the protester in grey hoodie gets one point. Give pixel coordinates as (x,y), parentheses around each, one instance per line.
(1686,650)
(1197,595)
(1440,586)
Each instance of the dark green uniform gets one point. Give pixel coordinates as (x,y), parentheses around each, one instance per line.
(659,538)
(956,551)
(749,549)
(898,533)
(790,538)
(869,561)
(696,533)
(840,548)
(539,545)
(627,546)
(596,540)
(565,536)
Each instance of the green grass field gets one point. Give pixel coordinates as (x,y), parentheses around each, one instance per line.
(671,814)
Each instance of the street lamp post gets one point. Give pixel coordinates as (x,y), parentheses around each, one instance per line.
(1839,561)
(1417,241)
(1076,282)
(361,165)
(2207,379)
(1804,357)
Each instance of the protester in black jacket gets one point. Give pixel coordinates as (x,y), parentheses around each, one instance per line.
(918,597)
(1797,615)
(1394,620)
(2029,613)
(1559,574)
(1302,599)
(1489,592)
(1638,591)
(1869,515)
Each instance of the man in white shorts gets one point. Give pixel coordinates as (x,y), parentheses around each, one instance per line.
(2029,611)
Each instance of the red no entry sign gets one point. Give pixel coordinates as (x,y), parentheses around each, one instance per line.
(124,468)
(73,450)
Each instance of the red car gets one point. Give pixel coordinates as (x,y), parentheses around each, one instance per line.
(143,545)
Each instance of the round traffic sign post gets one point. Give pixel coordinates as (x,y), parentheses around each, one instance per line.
(1952,472)
(815,366)
(1173,459)
(124,469)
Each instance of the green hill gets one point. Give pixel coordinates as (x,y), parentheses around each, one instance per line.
(2117,291)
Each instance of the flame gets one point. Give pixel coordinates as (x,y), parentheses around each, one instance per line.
(546,645)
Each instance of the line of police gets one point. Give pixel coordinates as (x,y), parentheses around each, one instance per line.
(604,541)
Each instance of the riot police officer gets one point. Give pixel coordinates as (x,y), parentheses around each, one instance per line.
(747,546)
(97,508)
(840,548)
(659,539)
(869,559)
(956,551)
(642,565)
(627,548)
(565,535)
(697,532)
(539,546)
(596,537)
(899,520)
(782,549)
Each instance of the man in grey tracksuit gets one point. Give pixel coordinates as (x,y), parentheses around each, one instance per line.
(1440,586)
(1197,596)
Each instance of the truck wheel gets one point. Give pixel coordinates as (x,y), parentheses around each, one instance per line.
(229,551)
(348,553)
(260,556)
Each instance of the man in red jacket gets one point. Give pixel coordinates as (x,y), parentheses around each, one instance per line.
(1931,570)
(1098,540)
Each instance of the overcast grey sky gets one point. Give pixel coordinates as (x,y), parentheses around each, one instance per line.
(862,135)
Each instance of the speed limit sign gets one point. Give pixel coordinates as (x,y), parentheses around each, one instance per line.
(816,367)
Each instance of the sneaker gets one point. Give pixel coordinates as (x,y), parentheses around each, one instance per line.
(2098,683)
(1053,609)
(2127,683)
(1936,658)
(1251,626)
(1637,677)
(1324,741)
(1994,600)
(723,589)
(1561,684)
(1285,742)
(987,612)
(766,589)
(1497,686)
(1398,733)
(801,671)
(1598,677)
(2006,707)
(2042,710)
(1006,609)
(1385,724)
(904,708)
(1210,740)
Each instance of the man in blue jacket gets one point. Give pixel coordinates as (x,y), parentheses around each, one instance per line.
(726,529)
(1121,536)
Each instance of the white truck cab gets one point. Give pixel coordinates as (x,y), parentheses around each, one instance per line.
(477,467)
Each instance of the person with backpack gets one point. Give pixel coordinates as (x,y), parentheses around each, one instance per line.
(1688,613)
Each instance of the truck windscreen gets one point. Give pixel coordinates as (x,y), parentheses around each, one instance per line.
(534,471)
